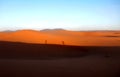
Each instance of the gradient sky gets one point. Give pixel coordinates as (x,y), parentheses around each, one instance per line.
(67,14)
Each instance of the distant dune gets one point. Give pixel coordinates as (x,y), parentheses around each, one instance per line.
(56,36)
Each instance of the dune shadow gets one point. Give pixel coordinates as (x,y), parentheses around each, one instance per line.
(17,50)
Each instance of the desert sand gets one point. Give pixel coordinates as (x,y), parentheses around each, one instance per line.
(26,53)
(41,60)
(77,38)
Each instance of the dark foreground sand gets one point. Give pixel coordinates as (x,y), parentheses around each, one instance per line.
(85,62)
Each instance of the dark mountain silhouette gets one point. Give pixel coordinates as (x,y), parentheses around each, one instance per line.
(56,29)
(7,31)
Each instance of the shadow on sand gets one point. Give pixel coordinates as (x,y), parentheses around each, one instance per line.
(17,50)
(49,60)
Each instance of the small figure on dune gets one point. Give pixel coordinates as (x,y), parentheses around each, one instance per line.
(63,43)
(45,41)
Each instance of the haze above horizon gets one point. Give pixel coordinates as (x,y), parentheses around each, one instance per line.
(66,14)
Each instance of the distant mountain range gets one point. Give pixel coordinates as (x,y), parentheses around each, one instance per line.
(7,31)
(57,29)
(60,29)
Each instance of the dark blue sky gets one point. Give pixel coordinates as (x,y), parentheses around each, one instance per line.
(67,14)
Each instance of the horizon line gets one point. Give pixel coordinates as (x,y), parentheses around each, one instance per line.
(48,29)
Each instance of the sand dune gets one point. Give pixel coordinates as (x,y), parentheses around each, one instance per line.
(88,38)
(29,36)
(51,60)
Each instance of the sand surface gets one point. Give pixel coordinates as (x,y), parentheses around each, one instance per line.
(85,54)
(89,66)
(90,38)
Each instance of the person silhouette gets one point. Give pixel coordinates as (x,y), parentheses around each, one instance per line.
(45,41)
(63,43)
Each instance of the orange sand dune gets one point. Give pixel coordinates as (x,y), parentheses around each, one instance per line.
(88,38)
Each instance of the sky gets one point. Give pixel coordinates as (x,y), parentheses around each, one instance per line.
(66,14)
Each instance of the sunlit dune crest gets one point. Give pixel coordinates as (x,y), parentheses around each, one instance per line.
(79,38)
